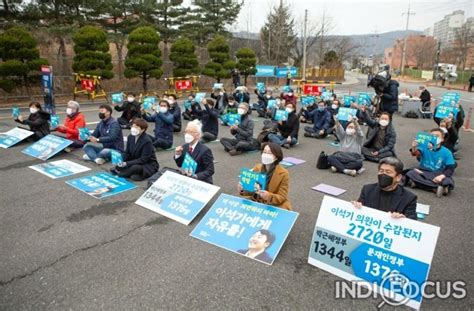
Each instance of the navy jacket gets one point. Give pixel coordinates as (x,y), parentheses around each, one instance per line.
(141,152)
(110,134)
(321,119)
(374,127)
(131,110)
(241,97)
(403,201)
(218,98)
(176,112)
(389,100)
(210,119)
(204,159)
(163,125)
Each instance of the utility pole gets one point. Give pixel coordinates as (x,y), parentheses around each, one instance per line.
(435,74)
(402,66)
(321,48)
(304,44)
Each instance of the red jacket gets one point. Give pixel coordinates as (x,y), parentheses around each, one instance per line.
(72,125)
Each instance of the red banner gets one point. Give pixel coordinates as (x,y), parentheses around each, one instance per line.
(311,89)
(87,85)
(183,85)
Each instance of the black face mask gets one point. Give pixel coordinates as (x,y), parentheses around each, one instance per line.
(101,115)
(385,181)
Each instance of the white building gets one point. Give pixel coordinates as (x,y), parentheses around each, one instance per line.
(445,29)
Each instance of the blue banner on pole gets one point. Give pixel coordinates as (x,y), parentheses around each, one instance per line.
(265,71)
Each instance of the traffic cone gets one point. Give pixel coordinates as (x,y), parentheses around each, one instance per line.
(467,122)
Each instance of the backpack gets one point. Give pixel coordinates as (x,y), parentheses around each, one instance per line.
(322,162)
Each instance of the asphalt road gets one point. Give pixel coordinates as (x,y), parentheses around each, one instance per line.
(62,249)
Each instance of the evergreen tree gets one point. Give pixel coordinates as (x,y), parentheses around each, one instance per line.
(166,15)
(185,61)
(20,62)
(92,52)
(246,62)
(278,35)
(220,65)
(144,56)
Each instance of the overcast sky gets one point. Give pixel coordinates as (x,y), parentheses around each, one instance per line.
(357,17)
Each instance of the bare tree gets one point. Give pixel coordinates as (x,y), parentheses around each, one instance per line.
(345,48)
(463,39)
(422,51)
(313,35)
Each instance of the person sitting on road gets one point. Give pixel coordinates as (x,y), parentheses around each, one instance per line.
(189,108)
(231,108)
(277,179)
(37,121)
(451,136)
(321,121)
(289,97)
(209,117)
(243,133)
(221,98)
(176,112)
(388,195)
(198,151)
(241,94)
(288,130)
(436,168)
(131,109)
(381,137)
(457,120)
(139,159)
(261,105)
(348,159)
(163,125)
(106,136)
(74,121)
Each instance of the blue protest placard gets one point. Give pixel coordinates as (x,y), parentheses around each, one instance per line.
(177,197)
(307,100)
(47,147)
(424,139)
(189,164)
(233,118)
(188,104)
(364,99)
(59,169)
(451,96)
(15,112)
(446,110)
(101,185)
(287,89)
(345,114)
(54,121)
(272,103)
(369,246)
(248,228)
(261,87)
(148,102)
(117,98)
(348,100)
(265,71)
(116,156)
(218,86)
(281,115)
(13,137)
(199,96)
(326,95)
(84,134)
(249,179)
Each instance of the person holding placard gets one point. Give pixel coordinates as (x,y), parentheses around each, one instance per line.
(388,195)
(190,106)
(209,117)
(381,137)
(220,96)
(163,125)
(457,119)
(74,121)
(288,129)
(37,121)
(198,151)
(243,133)
(436,168)
(289,96)
(261,105)
(348,159)
(277,179)
(241,95)
(106,136)
(451,137)
(176,112)
(139,159)
(131,110)
(321,121)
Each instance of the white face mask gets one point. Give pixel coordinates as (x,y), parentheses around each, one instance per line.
(241,111)
(445,130)
(350,132)
(130,99)
(334,107)
(268,96)
(383,122)
(267,158)
(134,131)
(290,94)
(68,111)
(163,109)
(438,141)
(33,110)
(188,138)
(289,110)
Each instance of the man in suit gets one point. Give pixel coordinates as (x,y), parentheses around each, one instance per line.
(198,151)
(388,195)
